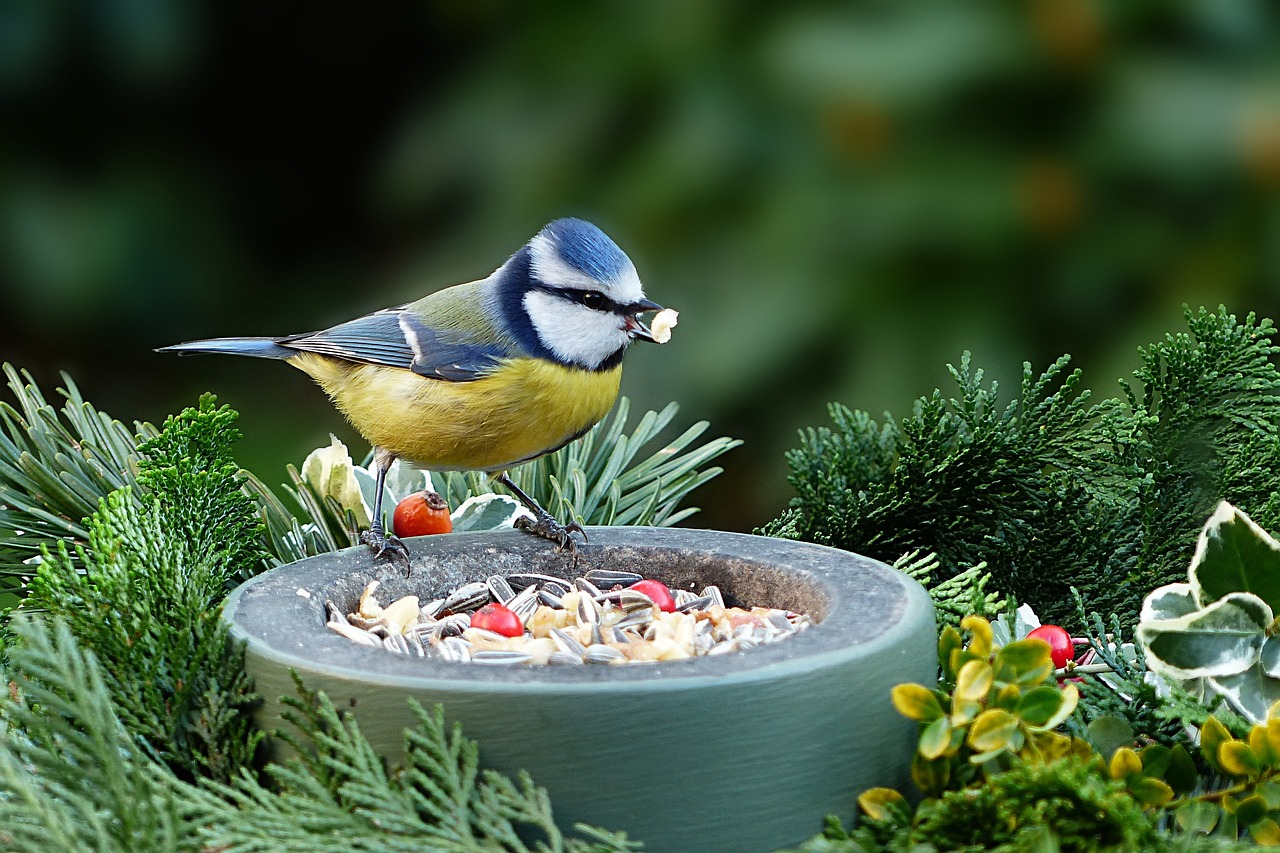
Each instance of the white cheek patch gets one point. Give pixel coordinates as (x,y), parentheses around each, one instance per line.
(574,333)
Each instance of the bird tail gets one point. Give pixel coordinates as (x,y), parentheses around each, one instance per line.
(256,347)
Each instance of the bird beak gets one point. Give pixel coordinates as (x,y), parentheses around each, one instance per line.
(635,328)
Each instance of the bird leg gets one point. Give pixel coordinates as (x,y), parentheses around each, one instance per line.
(543,523)
(376,537)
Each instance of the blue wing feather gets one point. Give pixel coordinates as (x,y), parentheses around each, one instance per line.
(399,338)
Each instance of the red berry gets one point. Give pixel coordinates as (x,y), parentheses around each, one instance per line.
(1059,641)
(499,619)
(658,591)
(420,514)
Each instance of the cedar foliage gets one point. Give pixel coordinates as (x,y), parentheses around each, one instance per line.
(439,800)
(1052,490)
(74,777)
(143,595)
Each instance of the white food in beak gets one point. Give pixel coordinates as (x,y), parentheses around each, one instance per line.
(663,322)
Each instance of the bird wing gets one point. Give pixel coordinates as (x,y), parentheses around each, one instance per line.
(399,337)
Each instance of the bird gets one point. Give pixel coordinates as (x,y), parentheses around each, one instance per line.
(479,376)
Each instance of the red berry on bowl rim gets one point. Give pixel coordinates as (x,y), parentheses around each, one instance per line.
(657,591)
(499,619)
(421,514)
(1060,647)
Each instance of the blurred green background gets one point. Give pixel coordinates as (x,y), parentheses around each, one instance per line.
(839,197)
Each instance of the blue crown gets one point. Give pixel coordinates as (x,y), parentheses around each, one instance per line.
(588,249)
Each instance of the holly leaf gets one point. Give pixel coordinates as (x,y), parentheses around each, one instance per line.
(1234,554)
(1222,639)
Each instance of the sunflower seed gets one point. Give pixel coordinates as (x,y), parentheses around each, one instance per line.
(589,610)
(694,604)
(495,656)
(500,589)
(609,578)
(597,653)
(564,658)
(567,643)
(468,596)
(525,603)
(588,587)
(520,580)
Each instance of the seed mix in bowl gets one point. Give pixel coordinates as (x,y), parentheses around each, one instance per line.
(603,617)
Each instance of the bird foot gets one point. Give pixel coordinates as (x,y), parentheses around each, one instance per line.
(544,525)
(383,545)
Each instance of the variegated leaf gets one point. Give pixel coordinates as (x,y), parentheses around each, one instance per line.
(1222,639)
(1249,693)
(1234,554)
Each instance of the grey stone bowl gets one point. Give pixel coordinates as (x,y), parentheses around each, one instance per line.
(736,753)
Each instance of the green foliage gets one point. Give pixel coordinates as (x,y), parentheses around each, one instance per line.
(958,596)
(440,800)
(995,777)
(55,466)
(1065,805)
(144,595)
(1050,490)
(74,777)
(992,708)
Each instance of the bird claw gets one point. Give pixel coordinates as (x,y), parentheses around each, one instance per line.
(383,545)
(544,525)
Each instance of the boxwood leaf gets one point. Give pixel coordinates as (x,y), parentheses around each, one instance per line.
(880,803)
(1266,832)
(1107,734)
(993,730)
(1251,809)
(1238,759)
(1235,555)
(1181,775)
(1155,760)
(916,702)
(935,739)
(1151,791)
(1224,638)
(1212,736)
(973,684)
(1197,817)
(1024,662)
(1124,763)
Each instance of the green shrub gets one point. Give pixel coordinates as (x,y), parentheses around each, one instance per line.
(1050,489)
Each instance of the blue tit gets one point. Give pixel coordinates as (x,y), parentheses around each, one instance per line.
(484,375)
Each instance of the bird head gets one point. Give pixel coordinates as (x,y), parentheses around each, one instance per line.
(581,296)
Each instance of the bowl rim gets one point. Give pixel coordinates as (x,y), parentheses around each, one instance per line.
(860,593)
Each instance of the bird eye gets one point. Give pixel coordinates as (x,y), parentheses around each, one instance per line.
(593,300)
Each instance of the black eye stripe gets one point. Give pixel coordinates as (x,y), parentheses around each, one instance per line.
(592,299)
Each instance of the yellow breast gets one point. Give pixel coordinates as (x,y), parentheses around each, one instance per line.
(527,408)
